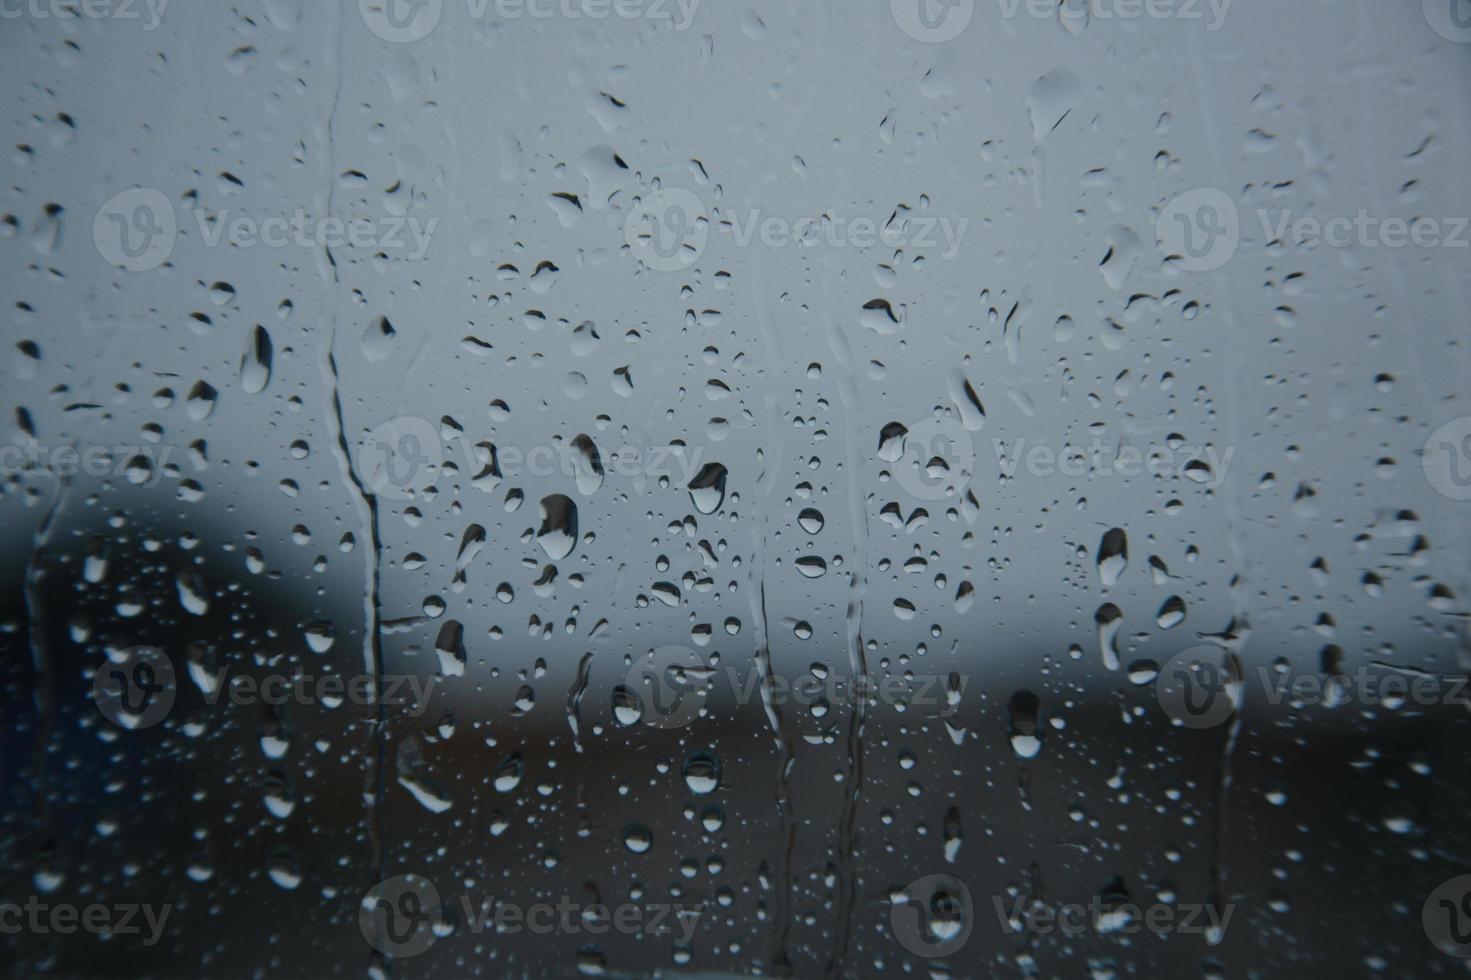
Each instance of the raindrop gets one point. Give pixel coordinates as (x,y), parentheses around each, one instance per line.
(1113,556)
(707,489)
(1026,727)
(509,774)
(638,838)
(255,365)
(702,775)
(558,533)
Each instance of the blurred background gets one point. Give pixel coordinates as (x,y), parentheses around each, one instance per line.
(591,382)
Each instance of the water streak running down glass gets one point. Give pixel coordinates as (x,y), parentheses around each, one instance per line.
(723,488)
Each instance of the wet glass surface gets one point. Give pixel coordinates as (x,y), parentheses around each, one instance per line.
(709,488)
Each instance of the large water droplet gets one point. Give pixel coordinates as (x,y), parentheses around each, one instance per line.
(707,489)
(558,533)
